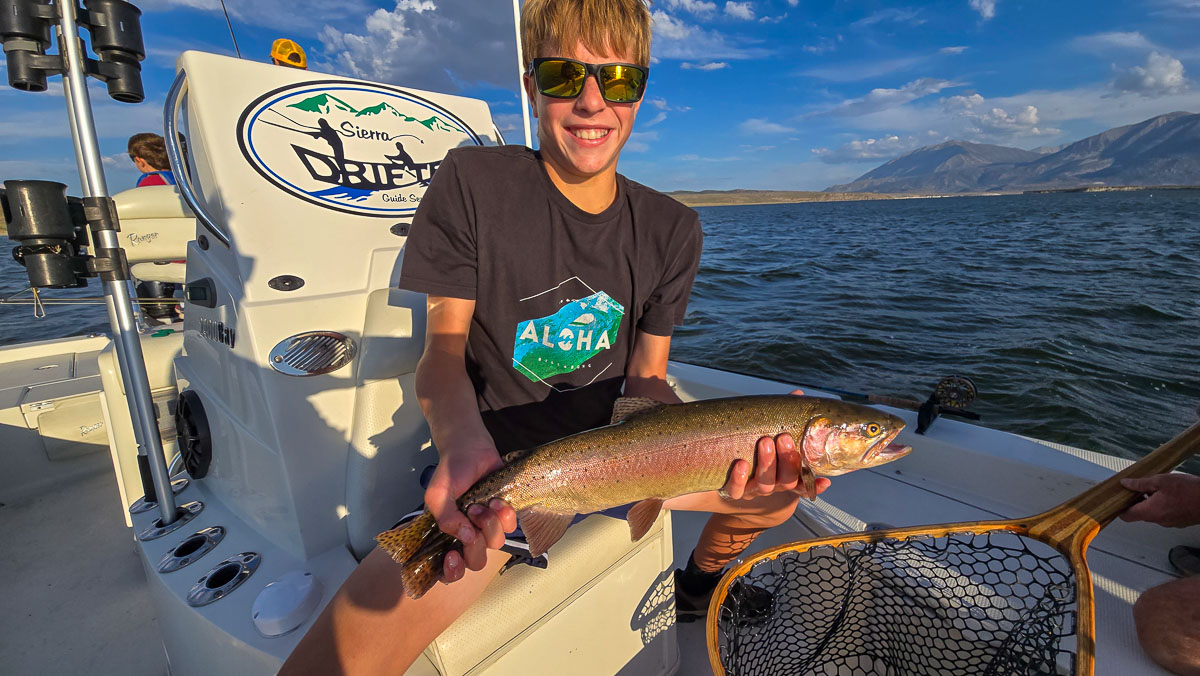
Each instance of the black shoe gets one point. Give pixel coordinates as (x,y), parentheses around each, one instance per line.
(754,604)
(1185,560)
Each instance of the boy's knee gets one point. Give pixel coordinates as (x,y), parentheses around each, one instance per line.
(1167,618)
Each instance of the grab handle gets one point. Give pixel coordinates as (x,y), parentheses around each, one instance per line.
(175,155)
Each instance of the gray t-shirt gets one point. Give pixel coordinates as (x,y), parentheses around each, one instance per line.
(558,291)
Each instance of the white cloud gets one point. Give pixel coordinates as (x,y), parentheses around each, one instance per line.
(885,147)
(692,157)
(114,121)
(1178,9)
(740,10)
(986,8)
(823,45)
(952,50)
(896,14)
(677,39)
(418,47)
(881,99)
(861,70)
(658,117)
(510,122)
(663,108)
(639,141)
(1161,75)
(1104,42)
(794,3)
(698,7)
(716,65)
(762,126)
(773,19)
(991,121)
(281,14)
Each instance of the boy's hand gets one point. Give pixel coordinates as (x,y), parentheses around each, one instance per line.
(1172,500)
(457,471)
(777,469)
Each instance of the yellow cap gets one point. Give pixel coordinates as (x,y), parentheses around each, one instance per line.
(288,53)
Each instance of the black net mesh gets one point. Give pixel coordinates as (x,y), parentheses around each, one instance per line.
(964,603)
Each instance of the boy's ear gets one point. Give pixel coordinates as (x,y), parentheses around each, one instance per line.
(531,92)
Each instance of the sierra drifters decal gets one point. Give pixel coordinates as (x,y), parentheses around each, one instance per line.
(353,147)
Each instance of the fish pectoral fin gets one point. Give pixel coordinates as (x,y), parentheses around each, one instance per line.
(542,528)
(507,458)
(642,516)
(626,407)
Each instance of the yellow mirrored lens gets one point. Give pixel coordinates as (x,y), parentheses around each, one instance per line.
(621,83)
(560,78)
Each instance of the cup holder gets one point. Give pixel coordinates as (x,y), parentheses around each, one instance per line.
(156,529)
(142,505)
(223,579)
(191,549)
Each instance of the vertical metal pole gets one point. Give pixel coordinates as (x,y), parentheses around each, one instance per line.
(521,73)
(66,80)
(116,292)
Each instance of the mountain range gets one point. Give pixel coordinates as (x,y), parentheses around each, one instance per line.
(1164,150)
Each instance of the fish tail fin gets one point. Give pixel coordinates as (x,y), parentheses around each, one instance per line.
(404,541)
(420,548)
(422,570)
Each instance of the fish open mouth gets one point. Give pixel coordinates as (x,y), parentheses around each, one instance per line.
(886,449)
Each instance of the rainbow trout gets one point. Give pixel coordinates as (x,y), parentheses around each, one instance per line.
(654,452)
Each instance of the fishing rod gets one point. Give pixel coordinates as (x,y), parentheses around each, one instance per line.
(951,396)
(52,231)
(95,300)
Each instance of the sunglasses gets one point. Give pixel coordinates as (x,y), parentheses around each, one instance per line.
(561,78)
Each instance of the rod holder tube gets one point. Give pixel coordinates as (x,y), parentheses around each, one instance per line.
(183,179)
(120,307)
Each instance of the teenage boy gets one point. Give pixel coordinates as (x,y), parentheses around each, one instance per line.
(149,154)
(519,251)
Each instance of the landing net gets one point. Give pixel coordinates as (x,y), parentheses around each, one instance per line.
(963,603)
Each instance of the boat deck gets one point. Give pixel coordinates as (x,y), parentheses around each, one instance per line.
(75,594)
(77,601)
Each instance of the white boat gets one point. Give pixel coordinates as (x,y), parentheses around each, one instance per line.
(291,378)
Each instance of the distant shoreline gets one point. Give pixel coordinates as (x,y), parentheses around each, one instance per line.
(725,198)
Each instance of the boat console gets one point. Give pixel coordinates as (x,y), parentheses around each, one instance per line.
(62,400)
(296,413)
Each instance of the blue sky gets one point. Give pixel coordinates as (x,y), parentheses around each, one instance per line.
(772,94)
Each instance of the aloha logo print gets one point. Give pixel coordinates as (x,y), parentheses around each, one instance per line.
(353,147)
(566,340)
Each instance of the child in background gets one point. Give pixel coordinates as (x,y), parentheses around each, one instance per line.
(149,154)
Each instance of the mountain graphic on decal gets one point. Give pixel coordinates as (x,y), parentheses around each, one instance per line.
(434,123)
(381,108)
(323,103)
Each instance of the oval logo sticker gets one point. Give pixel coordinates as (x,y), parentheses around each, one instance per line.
(352,147)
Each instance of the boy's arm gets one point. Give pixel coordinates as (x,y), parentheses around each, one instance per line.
(646,373)
(465,449)
(777,466)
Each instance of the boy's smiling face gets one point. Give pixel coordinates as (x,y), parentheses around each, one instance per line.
(581,138)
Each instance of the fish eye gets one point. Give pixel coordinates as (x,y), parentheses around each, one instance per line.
(872,429)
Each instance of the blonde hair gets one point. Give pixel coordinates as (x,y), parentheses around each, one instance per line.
(603,26)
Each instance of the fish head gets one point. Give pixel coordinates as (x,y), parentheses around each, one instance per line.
(843,437)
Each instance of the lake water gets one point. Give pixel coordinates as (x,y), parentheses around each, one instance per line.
(1077,315)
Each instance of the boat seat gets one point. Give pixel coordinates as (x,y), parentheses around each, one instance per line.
(597,581)
(389,441)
